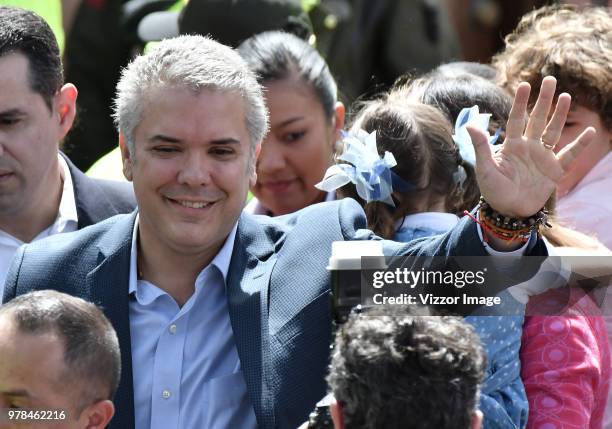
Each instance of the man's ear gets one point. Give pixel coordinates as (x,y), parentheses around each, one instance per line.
(253,175)
(339,116)
(97,415)
(126,157)
(65,108)
(477,419)
(335,410)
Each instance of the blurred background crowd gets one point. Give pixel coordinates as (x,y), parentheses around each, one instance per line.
(367,44)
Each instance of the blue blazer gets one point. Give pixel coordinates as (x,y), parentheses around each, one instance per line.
(277,292)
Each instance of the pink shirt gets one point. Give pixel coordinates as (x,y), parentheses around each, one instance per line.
(565,364)
(588,207)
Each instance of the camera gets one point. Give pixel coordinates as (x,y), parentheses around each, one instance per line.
(348,263)
(347,267)
(321,418)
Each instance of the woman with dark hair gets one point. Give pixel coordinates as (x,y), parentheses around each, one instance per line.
(305,122)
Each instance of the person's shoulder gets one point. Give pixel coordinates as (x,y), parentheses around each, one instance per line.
(64,261)
(345,214)
(76,249)
(346,210)
(310,227)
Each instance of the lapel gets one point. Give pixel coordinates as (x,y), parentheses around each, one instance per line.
(253,259)
(108,285)
(91,202)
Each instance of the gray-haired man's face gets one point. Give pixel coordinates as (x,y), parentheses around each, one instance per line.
(190,168)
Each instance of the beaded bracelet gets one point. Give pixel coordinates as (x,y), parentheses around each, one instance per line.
(507,228)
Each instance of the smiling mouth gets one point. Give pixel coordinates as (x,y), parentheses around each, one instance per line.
(191,204)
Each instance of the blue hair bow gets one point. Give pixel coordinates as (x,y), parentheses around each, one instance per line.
(471,116)
(371,174)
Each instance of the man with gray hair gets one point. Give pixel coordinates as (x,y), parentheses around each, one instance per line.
(223,317)
(60,364)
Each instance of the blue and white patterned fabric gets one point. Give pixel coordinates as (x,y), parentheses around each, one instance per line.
(503,399)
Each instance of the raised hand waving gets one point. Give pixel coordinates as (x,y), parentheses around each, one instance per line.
(518,179)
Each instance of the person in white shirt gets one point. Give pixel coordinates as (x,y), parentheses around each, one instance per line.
(41,192)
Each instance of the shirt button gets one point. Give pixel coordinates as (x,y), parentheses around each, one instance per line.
(172,329)
(166,394)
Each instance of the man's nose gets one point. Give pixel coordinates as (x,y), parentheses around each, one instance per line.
(195,170)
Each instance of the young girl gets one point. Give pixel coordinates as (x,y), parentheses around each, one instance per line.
(437,183)
(425,183)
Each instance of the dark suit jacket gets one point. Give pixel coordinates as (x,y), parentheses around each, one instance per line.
(97,199)
(277,291)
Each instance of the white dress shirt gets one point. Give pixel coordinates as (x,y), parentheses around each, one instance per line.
(66,221)
(185,365)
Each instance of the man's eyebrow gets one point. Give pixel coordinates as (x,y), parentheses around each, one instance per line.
(227,140)
(167,139)
(164,139)
(12,112)
(15,393)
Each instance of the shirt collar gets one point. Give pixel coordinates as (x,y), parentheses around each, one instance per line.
(67,209)
(221,260)
(434,220)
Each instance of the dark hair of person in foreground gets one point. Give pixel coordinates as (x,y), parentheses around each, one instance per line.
(392,368)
